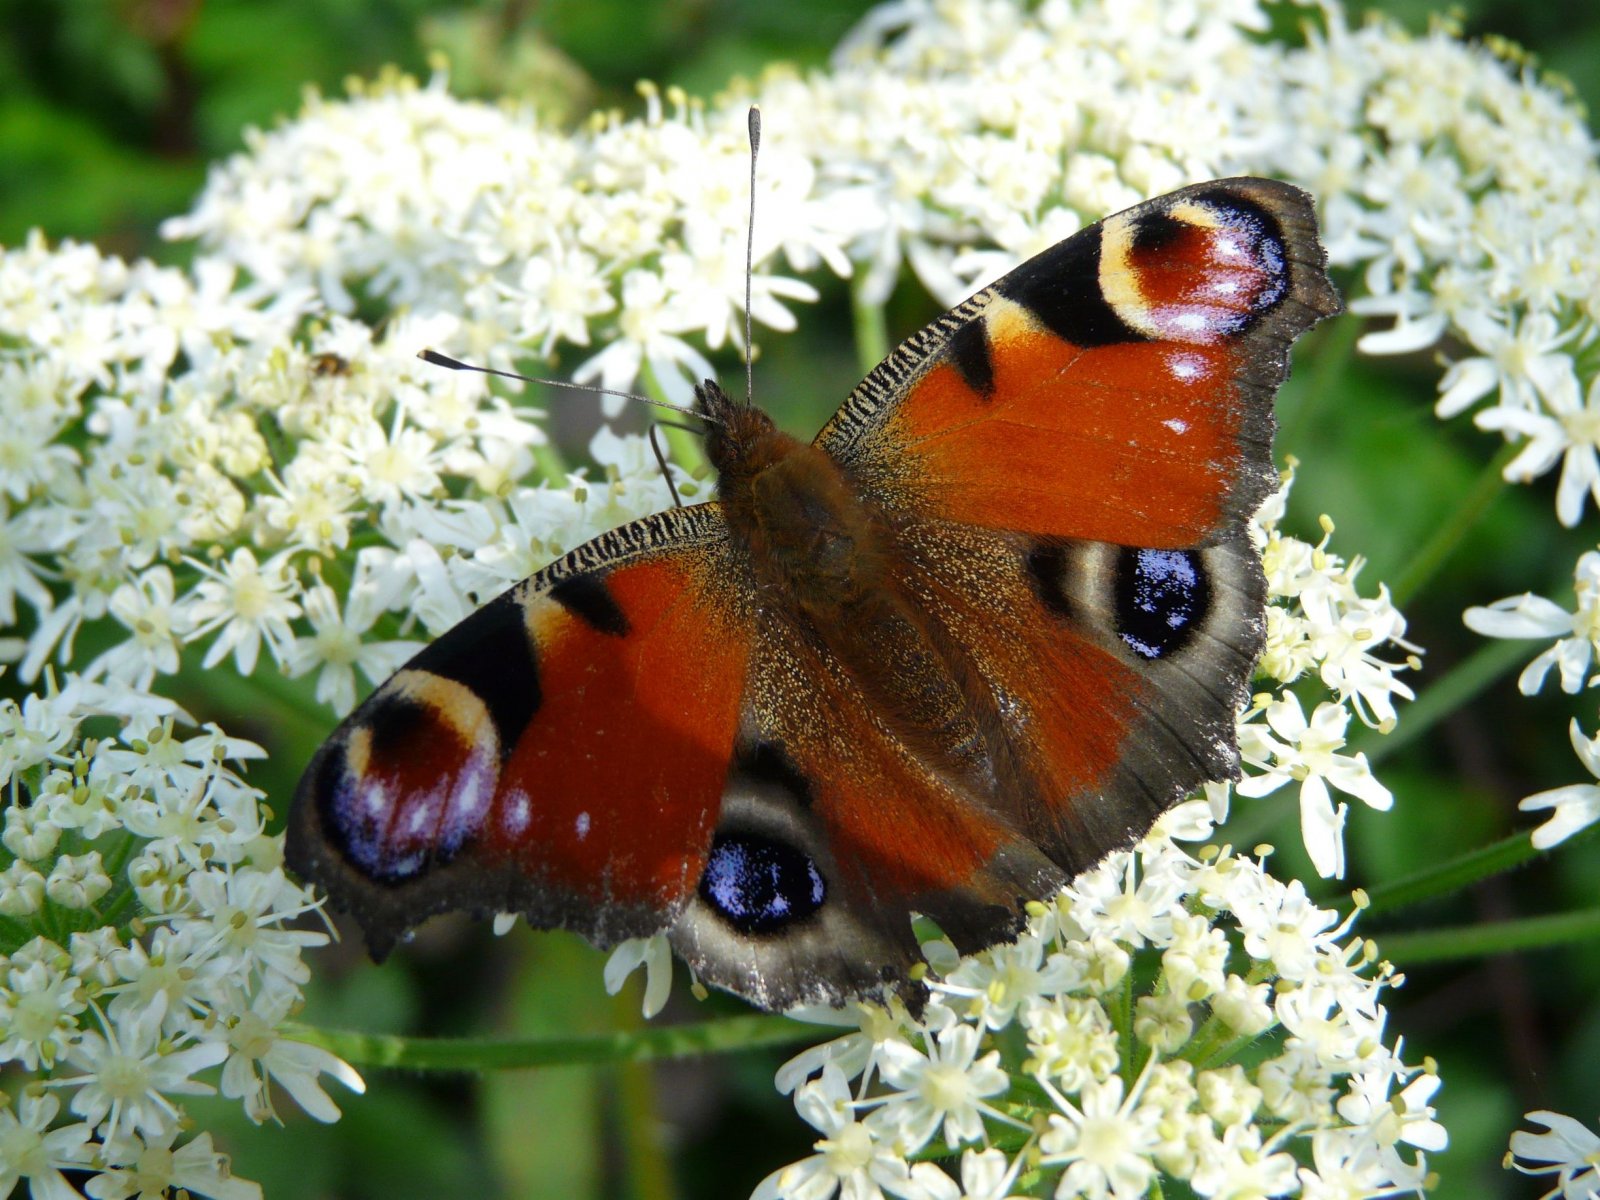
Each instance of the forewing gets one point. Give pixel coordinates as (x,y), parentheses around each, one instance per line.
(1117,388)
(560,753)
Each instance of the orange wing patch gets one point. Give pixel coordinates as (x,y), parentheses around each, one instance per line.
(612,792)
(561,752)
(1118,387)
(1147,434)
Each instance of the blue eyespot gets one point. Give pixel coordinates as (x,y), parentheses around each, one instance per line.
(1162,596)
(759,885)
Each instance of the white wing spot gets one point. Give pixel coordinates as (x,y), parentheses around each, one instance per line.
(470,798)
(1187,367)
(375,799)
(517,813)
(1176,425)
(420,817)
(582,825)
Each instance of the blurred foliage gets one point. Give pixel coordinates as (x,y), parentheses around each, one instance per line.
(109,116)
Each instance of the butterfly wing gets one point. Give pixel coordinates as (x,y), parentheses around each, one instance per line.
(1115,673)
(1118,387)
(835,828)
(1070,458)
(561,753)
(1084,715)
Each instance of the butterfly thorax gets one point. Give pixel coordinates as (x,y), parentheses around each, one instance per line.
(810,536)
(828,561)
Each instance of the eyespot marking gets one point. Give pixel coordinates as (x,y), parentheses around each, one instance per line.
(1161,598)
(759,885)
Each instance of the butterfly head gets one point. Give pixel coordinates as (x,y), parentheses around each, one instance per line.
(737,433)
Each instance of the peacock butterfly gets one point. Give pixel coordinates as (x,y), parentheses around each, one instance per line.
(994,619)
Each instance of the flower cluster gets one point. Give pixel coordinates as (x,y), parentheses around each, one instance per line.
(1100,1054)
(148,948)
(243,467)
(1468,192)
(630,235)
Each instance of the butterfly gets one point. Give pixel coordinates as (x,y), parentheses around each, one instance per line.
(981,631)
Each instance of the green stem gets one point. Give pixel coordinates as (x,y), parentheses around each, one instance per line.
(871,328)
(278,452)
(1437,550)
(648,1169)
(1481,941)
(1460,872)
(723,1035)
(1452,691)
(1122,1021)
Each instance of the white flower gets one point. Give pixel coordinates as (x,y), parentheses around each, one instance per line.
(649,324)
(238,916)
(1406,1117)
(858,1053)
(390,465)
(258,1053)
(1567,1149)
(944,1088)
(336,645)
(1568,432)
(851,1160)
(1115,900)
(146,608)
(1071,1041)
(1238,1166)
(1107,1142)
(21,890)
(989,1175)
(1577,633)
(39,1007)
(77,881)
(558,292)
(1307,753)
(1577,805)
(1525,363)
(1348,1165)
(1011,975)
(129,1073)
(28,836)
(23,536)
(31,1150)
(150,1167)
(248,602)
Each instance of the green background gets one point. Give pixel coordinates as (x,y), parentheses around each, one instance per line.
(109,115)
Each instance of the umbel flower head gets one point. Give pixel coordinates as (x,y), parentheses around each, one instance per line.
(148,948)
(242,468)
(1167,1017)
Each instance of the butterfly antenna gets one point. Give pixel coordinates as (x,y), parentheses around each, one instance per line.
(440,360)
(661,461)
(750,255)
